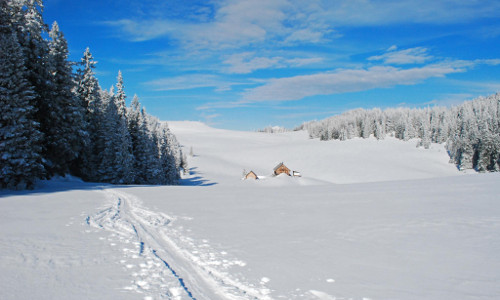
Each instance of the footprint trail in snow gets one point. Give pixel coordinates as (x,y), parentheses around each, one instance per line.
(163,263)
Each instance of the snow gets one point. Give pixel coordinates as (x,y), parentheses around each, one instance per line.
(368,219)
(223,154)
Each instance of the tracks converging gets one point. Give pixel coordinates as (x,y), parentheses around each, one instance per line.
(167,270)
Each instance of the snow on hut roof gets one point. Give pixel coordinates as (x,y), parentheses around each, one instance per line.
(279,165)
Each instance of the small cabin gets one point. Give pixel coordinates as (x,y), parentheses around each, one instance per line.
(280,169)
(251,175)
(296,174)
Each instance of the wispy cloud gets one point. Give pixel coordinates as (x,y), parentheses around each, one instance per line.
(380,12)
(139,31)
(209,119)
(234,24)
(192,81)
(239,23)
(417,55)
(222,104)
(247,62)
(343,81)
(451,99)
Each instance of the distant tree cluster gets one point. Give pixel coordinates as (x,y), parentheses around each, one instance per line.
(56,122)
(273,129)
(471,131)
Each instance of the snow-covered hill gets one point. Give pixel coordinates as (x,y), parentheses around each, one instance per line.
(368,220)
(223,154)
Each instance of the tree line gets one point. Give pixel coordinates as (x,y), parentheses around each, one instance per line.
(56,121)
(471,131)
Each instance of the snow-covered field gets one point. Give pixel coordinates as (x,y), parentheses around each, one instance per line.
(368,219)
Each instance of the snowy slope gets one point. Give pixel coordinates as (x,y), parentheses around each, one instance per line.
(222,155)
(402,225)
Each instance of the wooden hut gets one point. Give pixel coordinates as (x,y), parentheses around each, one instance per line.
(280,169)
(251,175)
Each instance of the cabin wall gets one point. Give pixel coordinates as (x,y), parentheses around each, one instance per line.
(281,170)
(251,176)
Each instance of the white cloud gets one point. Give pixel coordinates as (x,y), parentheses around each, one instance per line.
(491,62)
(247,62)
(194,81)
(240,23)
(392,48)
(451,99)
(221,104)
(306,35)
(417,55)
(244,63)
(343,81)
(383,12)
(139,31)
(234,24)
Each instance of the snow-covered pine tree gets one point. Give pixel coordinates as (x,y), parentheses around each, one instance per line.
(120,96)
(184,163)
(31,30)
(379,124)
(65,127)
(20,148)
(87,91)
(167,156)
(425,139)
(125,158)
(134,120)
(175,148)
(367,126)
(149,160)
(106,171)
(116,160)
(133,117)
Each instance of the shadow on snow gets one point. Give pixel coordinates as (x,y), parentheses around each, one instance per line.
(62,184)
(195,179)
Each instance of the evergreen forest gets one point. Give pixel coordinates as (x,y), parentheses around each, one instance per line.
(57,120)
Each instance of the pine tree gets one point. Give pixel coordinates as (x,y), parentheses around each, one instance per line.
(116,160)
(133,118)
(65,127)
(87,91)
(120,96)
(154,174)
(106,170)
(367,127)
(143,148)
(184,164)
(125,158)
(20,148)
(167,157)
(31,30)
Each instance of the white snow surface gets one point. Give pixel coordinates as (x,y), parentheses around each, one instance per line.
(221,156)
(368,219)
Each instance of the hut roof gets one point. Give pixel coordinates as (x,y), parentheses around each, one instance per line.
(251,172)
(279,166)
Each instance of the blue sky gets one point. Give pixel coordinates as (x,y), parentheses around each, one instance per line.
(249,64)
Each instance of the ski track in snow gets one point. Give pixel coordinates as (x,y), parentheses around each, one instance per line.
(163,263)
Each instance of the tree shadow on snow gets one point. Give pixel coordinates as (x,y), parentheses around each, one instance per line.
(64,184)
(196,179)
(56,185)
